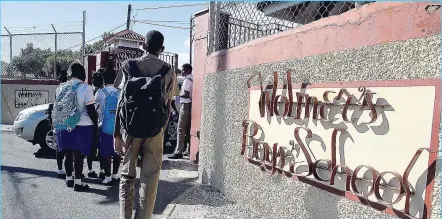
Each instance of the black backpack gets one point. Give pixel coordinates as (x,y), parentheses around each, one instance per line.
(143,107)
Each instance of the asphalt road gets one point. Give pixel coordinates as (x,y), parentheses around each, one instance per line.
(30,188)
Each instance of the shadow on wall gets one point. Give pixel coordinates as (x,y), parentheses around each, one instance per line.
(389,194)
(328,202)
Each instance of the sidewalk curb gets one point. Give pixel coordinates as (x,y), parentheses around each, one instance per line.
(168,210)
(7,128)
(179,164)
(171,206)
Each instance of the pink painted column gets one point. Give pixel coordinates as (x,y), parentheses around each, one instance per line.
(201,22)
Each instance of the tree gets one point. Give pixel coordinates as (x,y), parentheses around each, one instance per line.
(38,63)
(64,59)
(99,45)
(31,60)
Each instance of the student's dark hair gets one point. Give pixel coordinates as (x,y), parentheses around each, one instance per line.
(63,77)
(109,76)
(77,71)
(154,41)
(97,77)
(187,66)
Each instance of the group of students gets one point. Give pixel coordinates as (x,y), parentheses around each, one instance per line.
(125,116)
(93,131)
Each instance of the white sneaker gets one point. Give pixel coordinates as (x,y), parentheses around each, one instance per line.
(115,177)
(61,172)
(107,180)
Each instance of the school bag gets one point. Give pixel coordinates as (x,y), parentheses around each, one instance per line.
(143,109)
(65,114)
(109,111)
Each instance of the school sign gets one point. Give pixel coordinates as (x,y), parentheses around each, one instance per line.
(372,142)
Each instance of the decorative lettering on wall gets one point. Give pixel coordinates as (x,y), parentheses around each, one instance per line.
(364,183)
(25,98)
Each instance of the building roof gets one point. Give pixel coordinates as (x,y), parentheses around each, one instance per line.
(128,34)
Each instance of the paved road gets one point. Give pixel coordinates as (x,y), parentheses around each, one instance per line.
(30,188)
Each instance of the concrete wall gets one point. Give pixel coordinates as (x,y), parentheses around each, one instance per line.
(379,41)
(18,95)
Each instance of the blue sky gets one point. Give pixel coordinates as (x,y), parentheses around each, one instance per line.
(101,16)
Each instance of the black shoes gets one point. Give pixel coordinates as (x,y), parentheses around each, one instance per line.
(116,180)
(81,187)
(44,153)
(61,174)
(70,183)
(92,175)
(101,176)
(176,156)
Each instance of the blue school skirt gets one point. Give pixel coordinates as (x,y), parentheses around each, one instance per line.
(107,145)
(80,138)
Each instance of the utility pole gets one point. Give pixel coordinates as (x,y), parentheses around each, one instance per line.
(10,51)
(83,48)
(190,40)
(129,10)
(55,53)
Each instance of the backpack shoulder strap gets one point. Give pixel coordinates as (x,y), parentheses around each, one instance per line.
(117,92)
(164,70)
(62,94)
(76,86)
(134,69)
(106,93)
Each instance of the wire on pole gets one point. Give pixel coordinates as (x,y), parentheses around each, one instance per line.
(157,21)
(162,25)
(55,31)
(97,37)
(171,6)
(7,30)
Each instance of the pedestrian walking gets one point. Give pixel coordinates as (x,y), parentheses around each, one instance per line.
(148,86)
(61,173)
(185,112)
(107,101)
(76,122)
(98,83)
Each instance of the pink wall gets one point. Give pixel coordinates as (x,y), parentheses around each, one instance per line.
(369,25)
(200,49)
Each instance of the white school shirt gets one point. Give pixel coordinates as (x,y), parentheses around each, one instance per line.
(100,100)
(187,86)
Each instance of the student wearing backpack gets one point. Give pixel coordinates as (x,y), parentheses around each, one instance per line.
(76,123)
(61,173)
(107,101)
(147,88)
(98,83)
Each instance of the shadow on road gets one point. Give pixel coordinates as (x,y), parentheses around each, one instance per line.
(167,191)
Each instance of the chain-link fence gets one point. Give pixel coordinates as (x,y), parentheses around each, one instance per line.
(234,23)
(40,52)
